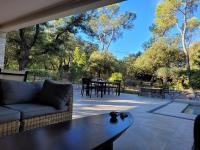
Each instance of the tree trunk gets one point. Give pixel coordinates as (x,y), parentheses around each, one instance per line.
(23,57)
(22,65)
(23,53)
(99,74)
(187,58)
(186,51)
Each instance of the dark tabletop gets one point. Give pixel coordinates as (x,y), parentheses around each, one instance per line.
(80,134)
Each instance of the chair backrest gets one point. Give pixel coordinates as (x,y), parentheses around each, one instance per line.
(13,75)
(196,145)
(86,81)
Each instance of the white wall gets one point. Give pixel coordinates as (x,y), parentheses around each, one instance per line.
(2,48)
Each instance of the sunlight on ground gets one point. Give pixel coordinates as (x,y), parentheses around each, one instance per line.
(118,101)
(106,107)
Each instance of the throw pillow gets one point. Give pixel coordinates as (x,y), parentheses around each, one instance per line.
(54,94)
(14,92)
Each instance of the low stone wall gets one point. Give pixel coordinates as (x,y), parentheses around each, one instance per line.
(186,94)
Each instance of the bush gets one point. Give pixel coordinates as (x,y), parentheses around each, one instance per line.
(115,76)
(195,79)
(42,74)
(182,83)
(166,74)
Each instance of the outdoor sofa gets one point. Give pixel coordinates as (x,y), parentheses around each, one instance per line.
(25,106)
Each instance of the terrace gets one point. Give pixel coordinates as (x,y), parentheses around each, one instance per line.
(159,123)
(150,130)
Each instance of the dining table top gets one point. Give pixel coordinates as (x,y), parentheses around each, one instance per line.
(104,81)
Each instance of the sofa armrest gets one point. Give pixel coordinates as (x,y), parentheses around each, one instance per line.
(70,101)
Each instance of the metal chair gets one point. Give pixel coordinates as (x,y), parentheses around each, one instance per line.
(117,87)
(13,75)
(100,87)
(86,86)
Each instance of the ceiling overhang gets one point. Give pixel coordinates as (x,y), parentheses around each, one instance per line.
(29,12)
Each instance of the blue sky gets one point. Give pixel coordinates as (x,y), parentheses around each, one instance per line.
(132,40)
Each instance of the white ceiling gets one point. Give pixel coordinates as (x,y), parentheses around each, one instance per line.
(16,14)
(12,9)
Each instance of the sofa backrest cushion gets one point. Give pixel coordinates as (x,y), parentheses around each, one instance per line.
(54,94)
(14,92)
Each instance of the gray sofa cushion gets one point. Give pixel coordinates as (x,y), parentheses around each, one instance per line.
(54,94)
(7,115)
(33,109)
(13,92)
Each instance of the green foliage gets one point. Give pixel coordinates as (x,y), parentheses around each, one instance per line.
(195,79)
(169,77)
(79,58)
(193,22)
(166,15)
(163,73)
(76,73)
(195,55)
(182,83)
(108,25)
(115,76)
(102,63)
(77,66)
(160,54)
(178,14)
(167,73)
(127,68)
(169,14)
(41,73)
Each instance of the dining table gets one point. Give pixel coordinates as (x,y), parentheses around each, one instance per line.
(105,85)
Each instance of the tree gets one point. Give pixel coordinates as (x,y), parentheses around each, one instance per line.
(195,55)
(51,37)
(108,26)
(79,58)
(126,66)
(165,74)
(77,66)
(102,63)
(160,54)
(148,43)
(179,14)
(24,40)
(64,31)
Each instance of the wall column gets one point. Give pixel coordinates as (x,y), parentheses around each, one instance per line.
(2,48)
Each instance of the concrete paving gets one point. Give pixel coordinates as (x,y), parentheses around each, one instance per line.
(149,131)
(175,109)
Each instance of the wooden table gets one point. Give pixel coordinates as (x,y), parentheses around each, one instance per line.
(94,132)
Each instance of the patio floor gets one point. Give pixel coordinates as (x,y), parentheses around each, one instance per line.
(149,131)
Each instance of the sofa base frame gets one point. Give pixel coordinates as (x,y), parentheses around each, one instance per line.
(9,128)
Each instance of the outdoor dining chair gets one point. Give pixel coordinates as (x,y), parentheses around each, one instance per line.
(87,87)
